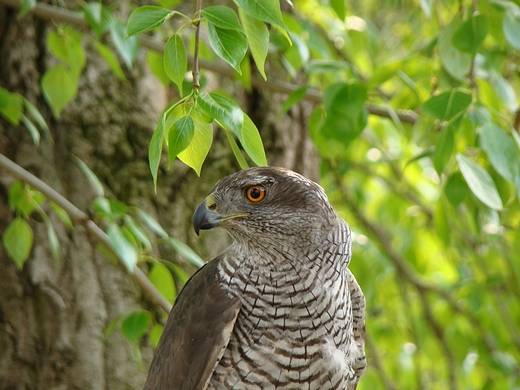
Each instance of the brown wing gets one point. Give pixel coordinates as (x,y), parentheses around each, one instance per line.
(196,334)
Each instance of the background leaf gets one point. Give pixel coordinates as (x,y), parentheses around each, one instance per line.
(18,240)
(480,183)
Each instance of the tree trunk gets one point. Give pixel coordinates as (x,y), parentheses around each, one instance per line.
(53,315)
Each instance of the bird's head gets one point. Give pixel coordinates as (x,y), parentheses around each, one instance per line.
(265,202)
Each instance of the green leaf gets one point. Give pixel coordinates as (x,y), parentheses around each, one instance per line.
(346,116)
(90,175)
(265,10)
(502,151)
(480,182)
(292,99)
(155,151)
(111,326)
(20,199)
(162,279)
(111,59)
(126,47)
(11,106)
(230,45)
(252,142)
(27,5)
(63,216)
(98,16)
(135,325)
(339,7)
(175,60)
(196,152)
(155,334)
(257,36)
(35,134)
(53,240)
(137,231)
(224,110)
(448,105)
(456,62)
(444,149)
(456,189)
(59,87)
(147,18)
(18,240)
(155,62)
(511,27)
(470,35)
(442,225)
(122,246)
(186,252)
(65,43)
(236,150)
(37,116)
(180,136)
(223,17)
(152,223)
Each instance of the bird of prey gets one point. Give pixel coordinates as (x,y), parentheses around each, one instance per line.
(278,309)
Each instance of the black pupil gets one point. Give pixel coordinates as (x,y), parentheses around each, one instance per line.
(255,193)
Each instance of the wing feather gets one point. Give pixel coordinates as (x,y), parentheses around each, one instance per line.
(195,335)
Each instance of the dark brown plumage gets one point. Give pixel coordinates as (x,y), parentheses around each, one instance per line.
(279,308)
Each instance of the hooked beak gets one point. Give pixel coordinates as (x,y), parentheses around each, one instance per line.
(205,218)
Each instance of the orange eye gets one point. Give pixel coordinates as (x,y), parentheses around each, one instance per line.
(255,193)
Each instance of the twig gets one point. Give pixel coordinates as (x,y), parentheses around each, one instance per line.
(195,71)
(81,218)
(46,11)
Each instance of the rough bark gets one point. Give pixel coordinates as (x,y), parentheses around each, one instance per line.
(53,315)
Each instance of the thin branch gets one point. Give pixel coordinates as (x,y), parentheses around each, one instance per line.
(81,218)
(50,12)
(195,71)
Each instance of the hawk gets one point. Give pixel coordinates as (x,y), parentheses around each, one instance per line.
(278,309)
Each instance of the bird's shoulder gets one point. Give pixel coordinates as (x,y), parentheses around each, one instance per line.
(196,332)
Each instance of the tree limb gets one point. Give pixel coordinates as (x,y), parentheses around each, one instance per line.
(81,218)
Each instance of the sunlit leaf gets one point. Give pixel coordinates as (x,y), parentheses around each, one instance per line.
(293,99)
(196,152)
(180,136)
(480,182)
